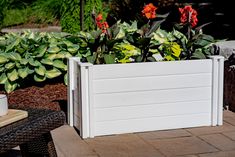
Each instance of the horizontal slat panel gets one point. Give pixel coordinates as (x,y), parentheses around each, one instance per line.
(151,83)
(152,110)
(151,124)
(152,69)
(151,97)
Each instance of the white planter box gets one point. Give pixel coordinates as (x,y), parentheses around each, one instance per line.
(136,97)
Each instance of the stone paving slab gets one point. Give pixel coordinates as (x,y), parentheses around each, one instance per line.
(69,144)
(219,154)
(182,146)
(153,135)
(187,156)
(127,145)
(226,127)
(219,141)
(230,135)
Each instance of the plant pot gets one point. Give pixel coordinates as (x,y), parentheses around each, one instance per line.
(137,97)
(3,105)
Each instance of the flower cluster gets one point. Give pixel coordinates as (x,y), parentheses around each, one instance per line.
(149,11)
(101,25)
(188,15)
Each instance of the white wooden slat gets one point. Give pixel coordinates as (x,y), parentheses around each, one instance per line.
(151,97)
(152,69)
(151,124)
(152,110)
(152,83)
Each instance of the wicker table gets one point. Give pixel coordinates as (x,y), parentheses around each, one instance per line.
(32,134)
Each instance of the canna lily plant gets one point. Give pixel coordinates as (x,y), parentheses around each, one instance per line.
(126,42)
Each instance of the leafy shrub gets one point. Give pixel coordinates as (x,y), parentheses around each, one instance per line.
(70,20)
(36,56)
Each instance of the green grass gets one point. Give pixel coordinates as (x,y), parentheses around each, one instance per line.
(39,12)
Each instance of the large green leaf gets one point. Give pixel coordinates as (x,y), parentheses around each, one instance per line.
(3,78)
(41,50)
(12,75)
(109,58)
(2,69)
(47,61)
(3,59)
(66,79)
(13,44)
(10,65)
(24,61)
(10,86)
(41,70)
(73,49)
(34,62)
(59,64)
(198,54)
(14,56)
(53,73)
(50,56)
(64,54)
(53,49)
(92,58)
(23,73)
(39,78)
(68,43)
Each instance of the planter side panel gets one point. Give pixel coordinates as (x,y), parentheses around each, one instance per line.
(155,96)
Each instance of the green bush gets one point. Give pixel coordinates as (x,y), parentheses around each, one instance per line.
(36,56)
(70,20)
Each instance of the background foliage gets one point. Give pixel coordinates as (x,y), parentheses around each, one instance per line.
(70,20)
(18,12)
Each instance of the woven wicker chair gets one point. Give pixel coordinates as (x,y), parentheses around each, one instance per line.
(32,134)
(229,86)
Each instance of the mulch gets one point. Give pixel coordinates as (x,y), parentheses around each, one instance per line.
(49,96)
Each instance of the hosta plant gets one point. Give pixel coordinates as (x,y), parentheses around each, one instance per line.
(37,56)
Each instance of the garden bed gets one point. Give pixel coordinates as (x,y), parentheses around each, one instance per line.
(125,98)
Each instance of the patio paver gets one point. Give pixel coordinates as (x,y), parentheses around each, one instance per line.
(230,135)
(219,154)
(219,141)
(164,134)
(191,142)
(125,145)
(183,146)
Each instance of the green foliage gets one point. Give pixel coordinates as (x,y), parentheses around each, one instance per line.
(37,56)
(70,20)
(16,12)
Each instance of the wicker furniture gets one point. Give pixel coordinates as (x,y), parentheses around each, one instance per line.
(32,134)
(229,87)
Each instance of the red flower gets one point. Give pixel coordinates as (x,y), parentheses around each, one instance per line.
(188,15)
(101,25)
(149,11)
(99,17)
